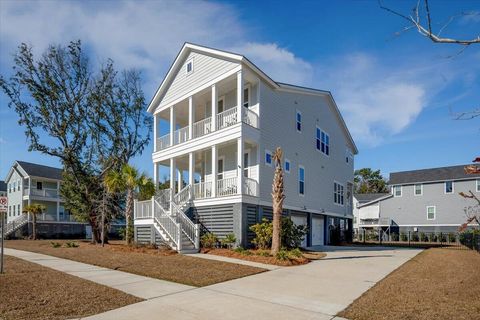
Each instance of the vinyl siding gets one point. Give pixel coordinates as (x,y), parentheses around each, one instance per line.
(278,111)
(205,69)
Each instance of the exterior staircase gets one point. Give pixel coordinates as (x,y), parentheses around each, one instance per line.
(16,224)
(171,222)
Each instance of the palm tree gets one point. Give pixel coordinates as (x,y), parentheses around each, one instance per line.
(34,209)
(127,181)
(278,197)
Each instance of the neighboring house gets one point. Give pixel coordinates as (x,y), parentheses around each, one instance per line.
(3,189)
(29,183)
(425,200)
(360,199)
(217,122)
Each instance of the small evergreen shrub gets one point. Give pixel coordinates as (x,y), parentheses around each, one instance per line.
(414,237)
(452,237)
(432,237)
(394,236)
(403,236)
(71,244)
(282,255)
(442,237)
(423,237)
(209,240)
(295,253)
(239,249)
(229,241)
(291,234)
(55,244)
(263,234)
(263,253)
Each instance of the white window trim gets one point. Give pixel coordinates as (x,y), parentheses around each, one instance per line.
(343,187)
(393,191)
(326,134)
(265,158)
(186,64)
(296,121)
(298,180)
(434,212)
(249,87)
(290,165)
(445,187)
(421,189)
(478,185)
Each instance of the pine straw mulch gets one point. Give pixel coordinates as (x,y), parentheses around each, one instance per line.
(260,256)
(436,284)
(30,291)
(142,260)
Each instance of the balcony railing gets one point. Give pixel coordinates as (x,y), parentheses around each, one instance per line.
(382,221)
(250,118)
(250,187)
(181,135)
(163,142)
(227,187)
(202,190)
(143,209)
(45,192)
(202,127)
(227,118)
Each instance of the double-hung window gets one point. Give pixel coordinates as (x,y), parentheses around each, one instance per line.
(301,180)
(287,165)
(322,140)
(431,211)
(338,195)
(298,120)
(268,158)
(448,186)
(418,189)
(246,97)
(397,191)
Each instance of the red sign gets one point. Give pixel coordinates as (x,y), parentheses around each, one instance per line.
(3,204)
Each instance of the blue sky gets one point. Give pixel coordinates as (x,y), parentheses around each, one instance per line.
(395,91)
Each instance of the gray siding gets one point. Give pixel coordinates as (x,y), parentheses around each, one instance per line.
(412,210)
(215,219)
(277,115)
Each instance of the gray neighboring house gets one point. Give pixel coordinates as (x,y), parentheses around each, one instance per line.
(29,183)
(3,189)
(360,199)
(424,200)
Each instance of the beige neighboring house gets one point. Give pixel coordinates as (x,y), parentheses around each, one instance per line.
(28,183)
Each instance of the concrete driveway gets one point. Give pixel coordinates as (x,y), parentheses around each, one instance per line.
(318,290)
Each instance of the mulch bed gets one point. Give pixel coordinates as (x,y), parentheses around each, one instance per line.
(30,291)
(436,284)
(146,261)
(255,256)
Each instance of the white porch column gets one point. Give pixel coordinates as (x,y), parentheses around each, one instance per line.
(154,133)
(155,174)
(180,179)
(173,173)
(58,201)
(214,107)
(191,117)
(214,170)
(240,153)
(29,190)
(191,168)
(240,95)
(172,125)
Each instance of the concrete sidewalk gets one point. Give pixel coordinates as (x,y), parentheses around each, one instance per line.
(318,290)
(234,260)
(139,286)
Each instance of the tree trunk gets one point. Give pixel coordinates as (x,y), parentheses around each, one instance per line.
(34,226)
(128,217)
(277,201)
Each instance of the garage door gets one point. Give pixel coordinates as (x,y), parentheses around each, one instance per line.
(317,231)
(300,220)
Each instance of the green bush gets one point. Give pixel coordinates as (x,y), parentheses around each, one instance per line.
(295,253)
(432,237)
(442,237)
(452,237)
(394,237)
(263,234)
(121,233)
(282,255)
(71,244)
(239,249)
(55,244)
(403,236)
(414,237)
(423,237)
(291,234)
(229,241)
(263,253)
(209,240)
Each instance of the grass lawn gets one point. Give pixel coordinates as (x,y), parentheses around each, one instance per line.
(150,262)
(436,284)
(30,291)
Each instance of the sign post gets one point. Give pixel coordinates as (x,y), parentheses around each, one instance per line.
(3,211)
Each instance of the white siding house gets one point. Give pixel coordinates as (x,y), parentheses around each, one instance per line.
(217,121)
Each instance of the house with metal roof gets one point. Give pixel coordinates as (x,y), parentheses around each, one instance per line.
(28,183)
(424,200)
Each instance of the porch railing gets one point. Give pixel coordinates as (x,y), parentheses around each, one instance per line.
(250,187)
(202,190)
(143,209)
(163,142)
(202,127)
(250,118)
(45,192)
(382,221)
(227,118)
(183,196)
(227,187)
(168,225)
(163,198)
(181,135)
(189,229)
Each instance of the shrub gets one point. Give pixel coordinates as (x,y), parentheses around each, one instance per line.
(263,253)
(71,244)
(414,237)
(394,236)
(239,249)
(282,255)
(121,233)
(209,240)
(423,237)
(432,237)
(263,234)
(452,237)
(295,253)
(403,236)
(229,241)
(442,237)
(291,234)
(55,244)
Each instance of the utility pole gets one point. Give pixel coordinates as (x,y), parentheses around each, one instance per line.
(2,216)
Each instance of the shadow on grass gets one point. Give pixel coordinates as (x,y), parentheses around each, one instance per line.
(359,257)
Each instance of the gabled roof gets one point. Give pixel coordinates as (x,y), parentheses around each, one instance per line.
(367,197)
(188,47)
(37,170)
(431,175)
(3,186)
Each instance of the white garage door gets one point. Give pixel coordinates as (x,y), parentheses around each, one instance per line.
(317,231)
(300,220)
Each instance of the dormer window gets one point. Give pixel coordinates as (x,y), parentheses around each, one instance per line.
(189,67)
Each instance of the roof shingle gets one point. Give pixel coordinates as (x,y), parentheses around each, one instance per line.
(38,170)
(432,174)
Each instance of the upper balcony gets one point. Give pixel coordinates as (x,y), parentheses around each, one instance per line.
(226,103)
(41,190)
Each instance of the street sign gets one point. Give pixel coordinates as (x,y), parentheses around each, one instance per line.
(3,204)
